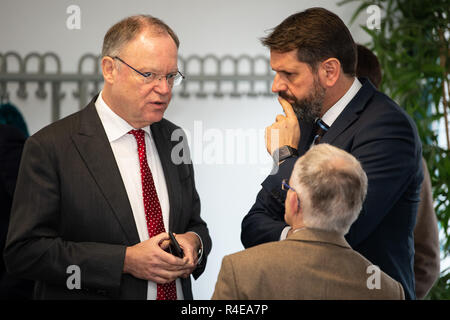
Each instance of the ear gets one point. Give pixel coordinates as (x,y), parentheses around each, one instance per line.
(108,69)
(293,203)
(290,204)
(329,72)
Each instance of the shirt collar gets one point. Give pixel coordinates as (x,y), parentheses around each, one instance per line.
(331,115)
(115,126)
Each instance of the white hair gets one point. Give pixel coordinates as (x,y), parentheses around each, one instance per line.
(331,185)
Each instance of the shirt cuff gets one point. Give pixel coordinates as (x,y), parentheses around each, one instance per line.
(201,247)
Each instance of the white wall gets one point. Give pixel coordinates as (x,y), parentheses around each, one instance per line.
(227,184)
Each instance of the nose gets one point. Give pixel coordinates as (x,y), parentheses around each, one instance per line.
(278,84)
(162,86)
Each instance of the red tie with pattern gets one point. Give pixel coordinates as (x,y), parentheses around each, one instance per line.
(153,213)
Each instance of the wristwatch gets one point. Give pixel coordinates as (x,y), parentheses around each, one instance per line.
(283,153)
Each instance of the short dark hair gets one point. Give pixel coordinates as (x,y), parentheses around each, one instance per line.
(317,34)
(127,29)
(368,65)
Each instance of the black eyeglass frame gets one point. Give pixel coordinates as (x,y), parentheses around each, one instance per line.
(146,75)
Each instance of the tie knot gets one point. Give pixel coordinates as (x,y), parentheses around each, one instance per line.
(138,134)
(320,128)
(322,125)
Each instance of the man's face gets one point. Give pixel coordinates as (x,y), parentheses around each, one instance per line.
(295,82)
(139,103)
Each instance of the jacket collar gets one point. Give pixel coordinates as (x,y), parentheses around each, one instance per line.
(163,142)
(351,112)
(94,148)
(348,115)
(316,235)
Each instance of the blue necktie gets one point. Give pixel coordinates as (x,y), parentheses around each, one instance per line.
(320,129)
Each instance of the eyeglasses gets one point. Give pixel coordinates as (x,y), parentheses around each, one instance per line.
(286,187)
(173,79)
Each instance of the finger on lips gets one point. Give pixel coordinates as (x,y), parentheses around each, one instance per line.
(287,108)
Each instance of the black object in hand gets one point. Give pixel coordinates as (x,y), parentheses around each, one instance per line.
(174,246)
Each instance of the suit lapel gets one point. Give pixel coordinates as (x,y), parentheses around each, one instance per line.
(95,150)
(351,112)
(164,146)
(306,131)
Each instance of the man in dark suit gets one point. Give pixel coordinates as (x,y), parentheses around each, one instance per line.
(98,191)
(11,146)
(314,57)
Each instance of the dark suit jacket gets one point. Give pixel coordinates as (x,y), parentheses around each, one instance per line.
(71,208)
(11,146)
(309,264)
(384,139)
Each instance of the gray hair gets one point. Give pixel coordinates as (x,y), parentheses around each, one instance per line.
(332,186)
(127,29)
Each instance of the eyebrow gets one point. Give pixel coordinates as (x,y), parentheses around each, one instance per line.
(171,72)
(285,71)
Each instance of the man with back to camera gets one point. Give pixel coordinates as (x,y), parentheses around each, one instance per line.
(99,190)
(314,57)
(324,197)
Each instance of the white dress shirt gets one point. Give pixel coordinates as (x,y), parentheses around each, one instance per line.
(330,116)
(124,147)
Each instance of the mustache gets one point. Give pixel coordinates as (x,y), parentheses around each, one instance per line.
(287,96)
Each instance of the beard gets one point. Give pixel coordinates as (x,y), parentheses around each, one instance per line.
(309,107)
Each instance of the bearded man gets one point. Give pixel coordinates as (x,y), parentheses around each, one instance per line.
(314,57)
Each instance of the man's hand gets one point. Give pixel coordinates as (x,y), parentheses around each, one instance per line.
(148,260)
(190,243)
(285,131)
